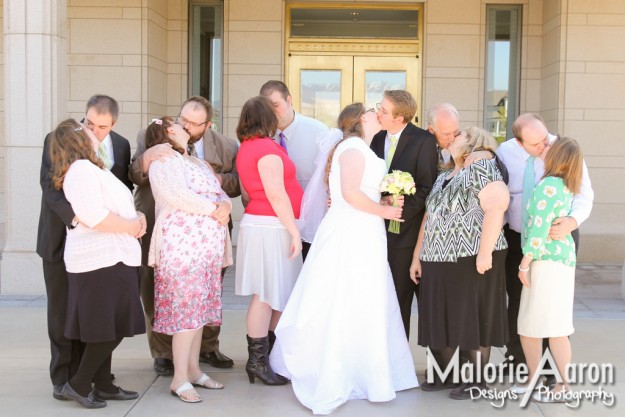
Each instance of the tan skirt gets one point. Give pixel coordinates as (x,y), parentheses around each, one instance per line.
(546,308)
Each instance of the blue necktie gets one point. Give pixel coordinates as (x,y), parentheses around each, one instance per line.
(528,189)
(282,141)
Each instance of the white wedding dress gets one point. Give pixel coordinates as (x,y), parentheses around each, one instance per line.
(341,336)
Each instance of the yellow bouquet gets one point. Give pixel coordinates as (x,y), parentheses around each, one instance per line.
(397,183)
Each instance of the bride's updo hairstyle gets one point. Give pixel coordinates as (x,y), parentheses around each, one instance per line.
(350,123)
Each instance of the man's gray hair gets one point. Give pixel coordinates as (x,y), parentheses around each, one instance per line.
(437,109)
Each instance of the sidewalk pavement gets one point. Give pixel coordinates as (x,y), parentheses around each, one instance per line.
(25,388)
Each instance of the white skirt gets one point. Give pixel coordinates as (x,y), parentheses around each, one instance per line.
(546,308)
(263,266)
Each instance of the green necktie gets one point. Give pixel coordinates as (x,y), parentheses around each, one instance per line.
(104,156)
(528,189)
(391,151)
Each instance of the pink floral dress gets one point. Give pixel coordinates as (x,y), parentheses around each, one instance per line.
(190,245)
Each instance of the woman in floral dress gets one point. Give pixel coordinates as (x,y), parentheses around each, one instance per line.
(189,247)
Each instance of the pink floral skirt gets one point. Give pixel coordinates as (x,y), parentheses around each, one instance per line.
(187,281)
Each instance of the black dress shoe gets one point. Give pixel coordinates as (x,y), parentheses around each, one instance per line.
(56,392)
(216,359)
(88,402)
(120,395)
(164,367)
(464,391)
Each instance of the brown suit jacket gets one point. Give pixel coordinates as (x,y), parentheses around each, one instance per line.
(219,151)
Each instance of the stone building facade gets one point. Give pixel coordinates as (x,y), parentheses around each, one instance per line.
(566,63)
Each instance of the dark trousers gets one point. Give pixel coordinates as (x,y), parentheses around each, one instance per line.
(160,344)
(399,260)
(514,288)
(305,249)
(65,353)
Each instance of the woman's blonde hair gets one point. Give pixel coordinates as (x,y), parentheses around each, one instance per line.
(69,143)
(565,160)
(350,123)
(478,139)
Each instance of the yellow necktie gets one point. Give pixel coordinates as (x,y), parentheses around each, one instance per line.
(391,151)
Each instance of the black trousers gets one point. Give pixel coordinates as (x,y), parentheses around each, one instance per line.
(514,288)
(399,260)
(305,249)
(65,353)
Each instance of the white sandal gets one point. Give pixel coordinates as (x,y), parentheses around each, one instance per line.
(202,380)
(183,388)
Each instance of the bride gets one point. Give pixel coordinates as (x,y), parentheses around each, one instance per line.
(340,336)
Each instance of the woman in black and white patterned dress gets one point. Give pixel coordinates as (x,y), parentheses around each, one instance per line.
(460,260)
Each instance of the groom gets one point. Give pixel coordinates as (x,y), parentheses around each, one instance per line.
(405,147)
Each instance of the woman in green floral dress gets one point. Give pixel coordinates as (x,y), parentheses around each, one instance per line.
(547,269)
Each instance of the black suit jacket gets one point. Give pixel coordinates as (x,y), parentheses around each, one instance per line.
(56,212)
(121,155)
(416,154)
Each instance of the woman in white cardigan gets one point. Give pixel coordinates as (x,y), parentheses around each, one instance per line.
(102,257)
(190,245)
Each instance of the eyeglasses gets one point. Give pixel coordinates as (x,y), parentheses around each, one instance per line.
(372,110)
(77,129)
(379,108)
(183,122)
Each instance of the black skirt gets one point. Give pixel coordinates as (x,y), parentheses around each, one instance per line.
(458,307)
(104,305)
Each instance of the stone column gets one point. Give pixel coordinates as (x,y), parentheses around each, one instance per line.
(34,102)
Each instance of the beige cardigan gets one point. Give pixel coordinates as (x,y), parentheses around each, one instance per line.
(171,193)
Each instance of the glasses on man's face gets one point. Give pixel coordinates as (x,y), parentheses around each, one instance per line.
(379,108)
(183,122)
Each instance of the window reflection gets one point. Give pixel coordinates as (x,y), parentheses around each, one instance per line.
(205,56)
(502,70)
(376,82)
(321,95)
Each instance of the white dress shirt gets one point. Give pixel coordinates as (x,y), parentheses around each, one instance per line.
(387,141)
(199,147)
(302,139)
(514,157)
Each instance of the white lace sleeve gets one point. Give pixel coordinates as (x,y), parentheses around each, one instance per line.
(314,205)
(168,184)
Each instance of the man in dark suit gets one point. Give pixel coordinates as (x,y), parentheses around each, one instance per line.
(196,115)
(405,147)
(57,214)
